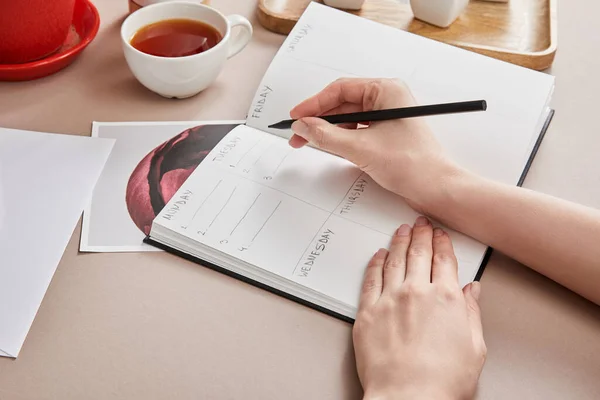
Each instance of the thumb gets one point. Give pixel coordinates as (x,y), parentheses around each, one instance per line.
(326,136)
(471,292)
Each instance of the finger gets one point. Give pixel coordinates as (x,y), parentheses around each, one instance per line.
(445,266)
(471,292)
(418,265)
(326,136)
(373,280)
(345,108)
(394,269)
(350,125)
(297,141)
(345,90)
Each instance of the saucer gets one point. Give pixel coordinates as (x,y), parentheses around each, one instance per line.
(83,30)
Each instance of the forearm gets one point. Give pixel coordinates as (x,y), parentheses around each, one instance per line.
(557,238)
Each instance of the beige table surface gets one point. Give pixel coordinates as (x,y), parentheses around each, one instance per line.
(152,326)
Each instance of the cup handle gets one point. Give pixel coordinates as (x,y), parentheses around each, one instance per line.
(241,40)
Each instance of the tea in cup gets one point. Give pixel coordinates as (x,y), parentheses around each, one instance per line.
(177,49)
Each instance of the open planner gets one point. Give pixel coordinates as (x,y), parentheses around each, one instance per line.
(304,223)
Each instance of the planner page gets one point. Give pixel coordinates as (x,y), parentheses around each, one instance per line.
(301,214)
(327,44)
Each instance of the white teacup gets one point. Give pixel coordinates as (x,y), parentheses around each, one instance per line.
(181,77)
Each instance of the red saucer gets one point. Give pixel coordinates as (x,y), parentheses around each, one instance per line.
(84,28)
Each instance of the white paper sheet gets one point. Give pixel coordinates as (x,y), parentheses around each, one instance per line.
(46,180)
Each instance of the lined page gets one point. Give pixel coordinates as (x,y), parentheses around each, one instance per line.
(302,214)
(327,44)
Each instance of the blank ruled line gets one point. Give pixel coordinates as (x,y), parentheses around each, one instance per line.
(281,162)
(248,152)
(245,214)
(267,220)
(222,208)
(204,201)
(262,154)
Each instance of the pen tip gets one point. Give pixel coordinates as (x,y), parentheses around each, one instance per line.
(483,105)
(278,125)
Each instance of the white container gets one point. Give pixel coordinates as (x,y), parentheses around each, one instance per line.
(441,13)
(345,4)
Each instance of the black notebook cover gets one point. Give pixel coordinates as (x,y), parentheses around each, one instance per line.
(289,296)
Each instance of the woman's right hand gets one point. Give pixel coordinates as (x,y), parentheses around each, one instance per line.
(401,155)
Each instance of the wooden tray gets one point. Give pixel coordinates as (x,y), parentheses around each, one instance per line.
(522,32)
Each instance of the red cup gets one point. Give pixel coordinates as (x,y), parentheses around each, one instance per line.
(33,29)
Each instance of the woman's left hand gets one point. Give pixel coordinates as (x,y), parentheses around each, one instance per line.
(417,335)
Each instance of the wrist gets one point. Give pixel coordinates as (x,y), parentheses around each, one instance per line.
(412,393)
(450,190)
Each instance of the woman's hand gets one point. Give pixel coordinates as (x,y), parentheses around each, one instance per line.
(401,155)
(416,334)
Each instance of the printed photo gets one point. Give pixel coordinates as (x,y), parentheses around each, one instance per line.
(148,164)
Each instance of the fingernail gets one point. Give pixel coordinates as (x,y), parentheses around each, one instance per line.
(476,290)
(422,221)
(380,253)
(437,232)
(300,128)
(404,230)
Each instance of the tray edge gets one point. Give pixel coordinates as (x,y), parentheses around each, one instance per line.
(538,60)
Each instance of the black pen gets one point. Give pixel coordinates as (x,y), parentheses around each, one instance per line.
(395,113)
